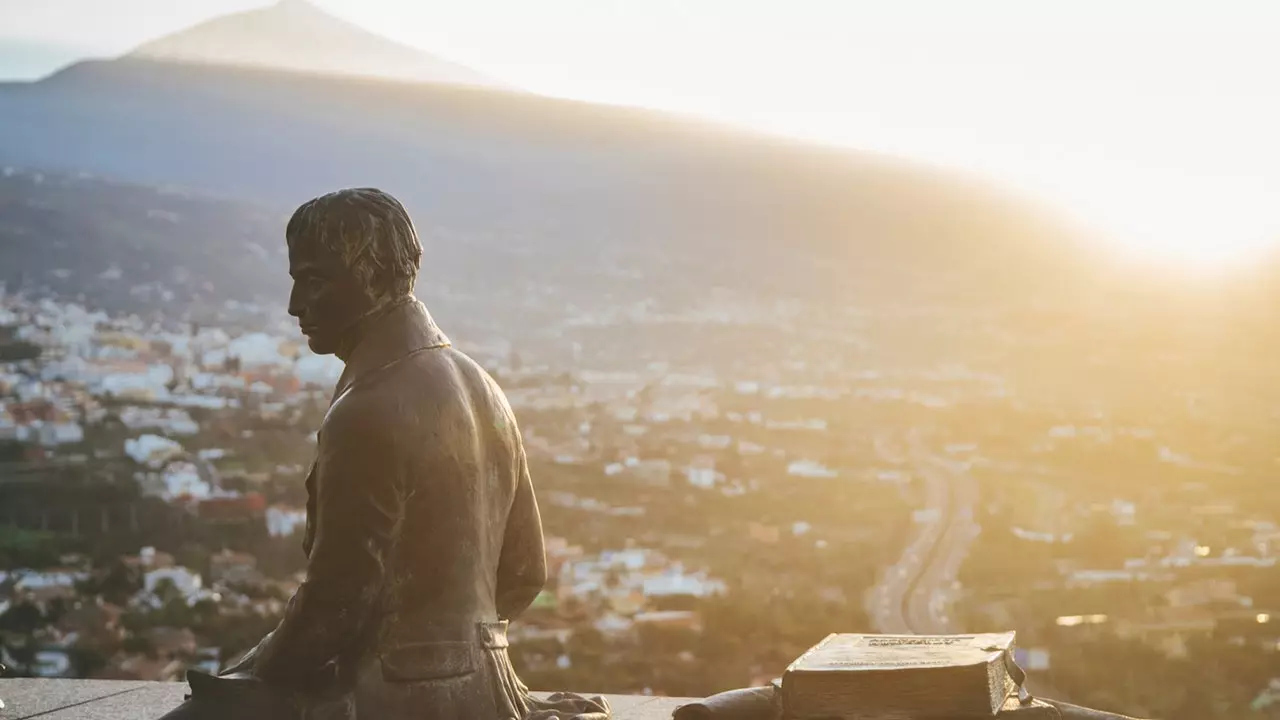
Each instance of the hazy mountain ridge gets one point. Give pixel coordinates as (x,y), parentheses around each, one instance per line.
(560,183)
(572,174)
(123,247)
(171,253)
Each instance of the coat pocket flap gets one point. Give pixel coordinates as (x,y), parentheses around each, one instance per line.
(428,660)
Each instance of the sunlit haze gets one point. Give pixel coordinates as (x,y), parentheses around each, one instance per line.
(1151,123)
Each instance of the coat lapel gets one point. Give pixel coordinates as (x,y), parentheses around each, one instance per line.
(403,330)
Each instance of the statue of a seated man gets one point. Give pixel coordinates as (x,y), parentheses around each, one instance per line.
(423,535)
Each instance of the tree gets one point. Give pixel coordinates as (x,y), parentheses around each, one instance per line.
(22,619)
(116,585)
(27,548)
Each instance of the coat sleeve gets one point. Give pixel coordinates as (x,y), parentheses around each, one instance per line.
(309,536)
(522,568)
(358,504)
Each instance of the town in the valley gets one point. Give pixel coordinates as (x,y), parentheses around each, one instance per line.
(703,525)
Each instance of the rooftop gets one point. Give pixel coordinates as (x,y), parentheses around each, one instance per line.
(133,700)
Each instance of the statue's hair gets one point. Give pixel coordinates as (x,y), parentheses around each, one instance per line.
(370,231)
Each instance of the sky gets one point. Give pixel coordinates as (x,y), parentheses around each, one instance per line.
(1155,124)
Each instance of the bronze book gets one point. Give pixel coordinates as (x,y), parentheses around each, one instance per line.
(866,677)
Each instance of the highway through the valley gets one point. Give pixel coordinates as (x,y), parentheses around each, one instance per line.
(915,595)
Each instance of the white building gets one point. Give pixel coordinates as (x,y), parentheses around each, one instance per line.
(187,583)
(715,442)
(257,349)
(678,583)
(633,559)
(614,625)
(284,521)
(208,402)
(72,368)
(63,433)
(182,480)
(152,450)
(51,663)
(46,580)
(175,421)
(702,477)
(810,468)
(318,369)
(146,384)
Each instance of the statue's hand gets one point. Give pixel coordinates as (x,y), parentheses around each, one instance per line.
(245,664)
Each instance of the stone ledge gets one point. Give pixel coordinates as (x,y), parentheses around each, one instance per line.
(136,700)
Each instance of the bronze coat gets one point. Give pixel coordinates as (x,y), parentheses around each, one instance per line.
(422,533)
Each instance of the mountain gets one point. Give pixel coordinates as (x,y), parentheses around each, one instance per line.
(551,172)
(534,212)
(297,36)
(560,182)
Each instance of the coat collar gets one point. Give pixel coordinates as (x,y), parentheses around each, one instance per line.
(405,329)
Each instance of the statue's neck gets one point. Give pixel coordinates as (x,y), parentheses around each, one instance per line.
(360,328)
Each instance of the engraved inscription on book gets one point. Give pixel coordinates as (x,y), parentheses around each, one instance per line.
(884,651)
(867,676)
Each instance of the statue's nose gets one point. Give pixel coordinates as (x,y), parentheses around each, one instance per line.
(295,303)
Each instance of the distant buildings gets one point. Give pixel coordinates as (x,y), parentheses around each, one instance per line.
(153,451)
(182,481)
(810,469)
(168,420)
(283,521)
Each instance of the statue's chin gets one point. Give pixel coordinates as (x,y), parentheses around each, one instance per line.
(320,345)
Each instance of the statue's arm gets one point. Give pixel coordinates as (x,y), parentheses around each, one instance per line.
(357,504)
(309,534)
(246,661)
(522,568)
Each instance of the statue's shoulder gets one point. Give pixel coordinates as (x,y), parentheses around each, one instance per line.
(354,417)
(419,372)
(425,381)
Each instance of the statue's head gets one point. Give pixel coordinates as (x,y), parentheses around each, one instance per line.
(351,253)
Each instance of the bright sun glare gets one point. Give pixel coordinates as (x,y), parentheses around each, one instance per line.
(1197,224)
(1202,221)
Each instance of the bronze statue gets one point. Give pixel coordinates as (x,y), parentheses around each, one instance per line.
(423,536)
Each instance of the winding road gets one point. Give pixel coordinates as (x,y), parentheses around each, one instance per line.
(914,596)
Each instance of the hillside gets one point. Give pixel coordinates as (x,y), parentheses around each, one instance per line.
(566,177)
(571,190)
(125,247)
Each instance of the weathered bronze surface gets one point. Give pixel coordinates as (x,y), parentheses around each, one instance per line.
(423,536)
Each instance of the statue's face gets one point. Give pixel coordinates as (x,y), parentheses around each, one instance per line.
(327,298)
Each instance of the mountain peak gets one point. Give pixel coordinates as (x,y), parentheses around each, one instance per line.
(296,7)
(299,36)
